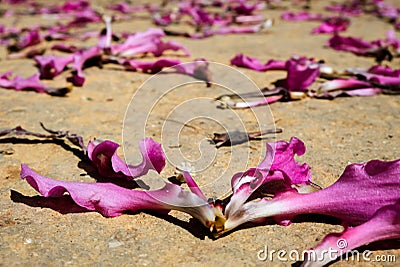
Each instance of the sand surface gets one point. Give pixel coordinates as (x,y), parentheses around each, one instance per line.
(336,133)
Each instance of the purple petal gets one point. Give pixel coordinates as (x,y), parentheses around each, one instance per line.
(123,7)
(146,42)
(279,164)
(354,8)
(384,70)
(345,87)
(339,84)
(241,60)
(377,184)
(244,8)
(387,10)
(51,65)
(384,224)
(355,45)
(80,59)
(384,80)
(197,69)
(111,200)
(19,83)
(334,24)
(104,156)
(145,66)
(301,73)
(29,39)
(194,188)
(250,19)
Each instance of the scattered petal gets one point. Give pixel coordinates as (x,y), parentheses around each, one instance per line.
(111,200)
(384,225)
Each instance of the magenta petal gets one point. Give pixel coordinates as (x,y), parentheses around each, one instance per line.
(377,183)
(301,73)
(80,58)
(279,164)
(148,67)
(334,24)
(355,45)
(347,87)
(29,39)
(51,65)
(338,84)
(384,224)
(146,42)
(384,71)
(104,156)
(111,200)
(241,60)
(384,80)
(197,69)
(194,188)
(19,83)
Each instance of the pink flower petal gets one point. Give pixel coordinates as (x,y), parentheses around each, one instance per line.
(51,65)
(377,186)
(279,164)
(334,24)
(111,200)
(146,42)
(104,156)
(80,59)
(241,60)
(301,73)
(19,83)
(384,224)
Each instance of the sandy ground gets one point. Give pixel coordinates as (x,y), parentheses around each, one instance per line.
(336,133)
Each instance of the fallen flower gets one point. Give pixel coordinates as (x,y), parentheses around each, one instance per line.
(377,186)
(104,156)
(352,8)
(349,87)
(384,225)
(51,65)
(111,200)
(30,38)
(144,66)
(241,60)
(278,164)
(80,58)
(301,73)
(377,49)
(333,24)
(197,69)
(146,42)
(19,83)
